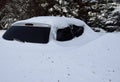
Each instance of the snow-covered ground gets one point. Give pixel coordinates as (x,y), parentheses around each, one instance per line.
(97,60)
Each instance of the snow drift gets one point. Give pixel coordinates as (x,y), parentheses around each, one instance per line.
(96,61)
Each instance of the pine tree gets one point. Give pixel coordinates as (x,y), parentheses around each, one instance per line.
(94,13)
(102,16)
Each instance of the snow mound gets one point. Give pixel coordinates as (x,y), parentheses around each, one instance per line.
(97,61)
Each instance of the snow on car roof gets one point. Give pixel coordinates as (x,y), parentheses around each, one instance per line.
(58,22)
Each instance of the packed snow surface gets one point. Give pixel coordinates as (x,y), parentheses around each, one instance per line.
(96,61)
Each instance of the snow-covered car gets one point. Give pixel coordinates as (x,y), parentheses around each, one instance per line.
(87,58)
(42,29)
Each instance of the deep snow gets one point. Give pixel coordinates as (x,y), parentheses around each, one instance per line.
(95,61)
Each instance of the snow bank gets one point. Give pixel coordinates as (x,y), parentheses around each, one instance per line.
(96,61)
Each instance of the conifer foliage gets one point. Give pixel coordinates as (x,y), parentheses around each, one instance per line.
(95,13)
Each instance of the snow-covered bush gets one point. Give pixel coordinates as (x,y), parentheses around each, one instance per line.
(14,10)
(23,9)
(96,13)
(103,17)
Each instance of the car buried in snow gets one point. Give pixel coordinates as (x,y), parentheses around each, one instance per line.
(43,29)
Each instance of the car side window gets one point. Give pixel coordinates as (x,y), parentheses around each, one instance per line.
(77,30)
(64,34)
(28,34)
(68,33)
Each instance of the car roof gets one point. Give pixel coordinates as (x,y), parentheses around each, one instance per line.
(52,21)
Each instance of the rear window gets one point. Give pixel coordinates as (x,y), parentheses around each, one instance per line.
(28,34)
